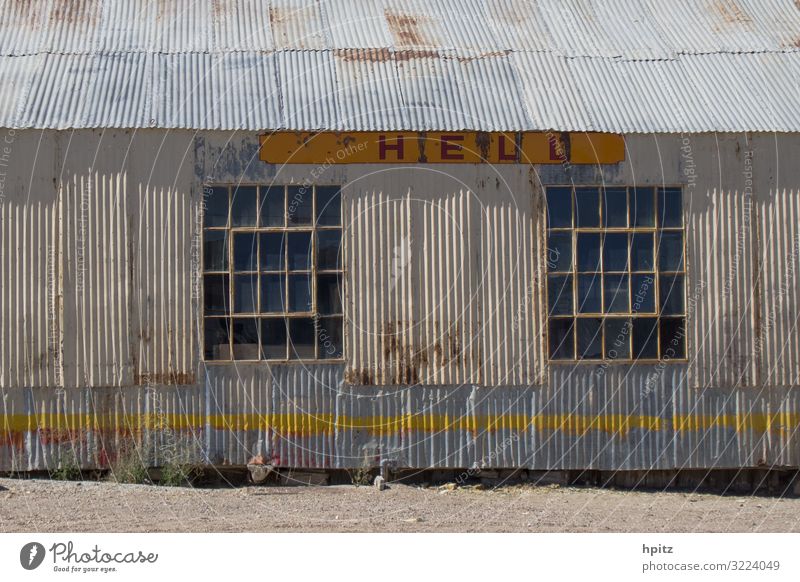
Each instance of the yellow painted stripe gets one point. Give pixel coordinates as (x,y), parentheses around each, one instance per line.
(305,424)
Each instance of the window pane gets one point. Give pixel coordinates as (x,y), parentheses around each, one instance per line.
(272,251)
(670,251)
(587,207)
(301,338)
(642,252)
(642,210)
(588,251)
(615,252)
(215,250)
(273,294)
(590,338)
(243,206)
(559,294)
(329,298)
(615,207)
(244,251)
(300,292)
(272,208)
(216,339)
(329,338)
(671,291)
(645,338)
(670,212)
(299,251)
(299,205)
(559,251)
(245,338)
(329,206)
(215,206)
(673,338)
(589,299)
(329,247)
(643,290)
(245,294)
(616,293)
(618,338)
(559,207)
(215,294)
(273,338)
(561,339)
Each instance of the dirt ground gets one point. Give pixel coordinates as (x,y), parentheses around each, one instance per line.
(56,506)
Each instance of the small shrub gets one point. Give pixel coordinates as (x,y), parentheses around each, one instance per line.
(68,468)
(177,475)
(129,467)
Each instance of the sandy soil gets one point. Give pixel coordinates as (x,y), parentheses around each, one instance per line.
(55,506)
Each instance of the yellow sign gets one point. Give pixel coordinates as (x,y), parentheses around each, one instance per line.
(394,147)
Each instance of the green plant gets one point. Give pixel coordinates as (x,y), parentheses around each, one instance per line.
(67,468)
(362,475)
(177,475)
(129,466)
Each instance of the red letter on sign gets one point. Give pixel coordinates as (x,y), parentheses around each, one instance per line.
(503,154)
(383,147)
(451,151)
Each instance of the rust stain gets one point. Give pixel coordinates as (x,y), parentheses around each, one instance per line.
(404,28)
(164,379)
(364,55)
(72,12)
(278,15)
(731,12)
(486,55)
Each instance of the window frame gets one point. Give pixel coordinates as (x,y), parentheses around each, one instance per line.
(230,231)
(575,273)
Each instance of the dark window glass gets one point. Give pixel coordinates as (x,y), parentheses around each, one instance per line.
(587,207)
(671,291)
(559,294)
(670,211)
(590,338)
(559,251)
(617,338)
(673,338)
(273,293)
(245,338)
(215,206)
(588,251)
(301,337)
(642,207)
(216,300)
(615,252)
(329,248)
(642,252)
(245,294)
(216,339)
(561,339)
(244,203)
(329,206)
(329,299)
(589,296)
(670,251)
(615,208)
(643,293)
(245,252)
(215,250)
(299,251)
(272,251)
(645,338)
(273,338)
(330,338)
(299,205)
(272,206)
(559,207)
(616,293)
(300,292)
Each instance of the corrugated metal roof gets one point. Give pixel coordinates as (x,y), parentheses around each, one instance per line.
(581,65)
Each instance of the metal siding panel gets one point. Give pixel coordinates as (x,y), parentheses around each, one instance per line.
(308,90)
(357,25)
(298,24)
(241,25)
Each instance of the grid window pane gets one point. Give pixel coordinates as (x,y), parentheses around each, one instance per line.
(300,292)
(273,338)
(670,208)
(559,251)
(299,205)
(215,250)
(673,338)
(561,339)
(245,253)
(299,244)
(617,338)
(273,294)
(615,208)
(245,338)
(643,293)
(587,207)
(590,338)
(670,251)
(671,292)
(642,207)
(559,207)
(615,290)
(330,336)
(329,250)
(216,339)
(589,294)
(216,300)
(645,338)
(642,252)
(215,206)
(588,251)
(329,206)
(272,251)
(301,338)
(329,299)
(559,293)
(272,206)
(245,293)
(244,204)
(615,252)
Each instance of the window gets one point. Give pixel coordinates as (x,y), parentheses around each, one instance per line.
(272,273)
(615,274)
